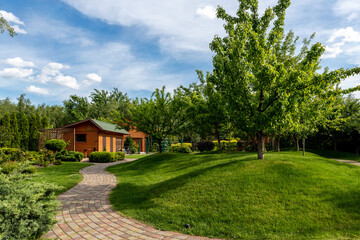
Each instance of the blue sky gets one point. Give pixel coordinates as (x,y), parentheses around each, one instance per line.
(66,47)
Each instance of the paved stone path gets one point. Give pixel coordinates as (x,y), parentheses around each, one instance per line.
(348,161)
(85,212)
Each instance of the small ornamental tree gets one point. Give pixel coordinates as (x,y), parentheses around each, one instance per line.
(257,73)
(55,145)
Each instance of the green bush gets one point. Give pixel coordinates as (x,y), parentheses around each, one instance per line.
(154,147)
(55,145)
(27,209)
(69,156)
(102,157)
(180,149)
(9,151)
(117,156)
(46,158)
(205,146)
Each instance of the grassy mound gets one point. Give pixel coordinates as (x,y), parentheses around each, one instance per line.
(236,196)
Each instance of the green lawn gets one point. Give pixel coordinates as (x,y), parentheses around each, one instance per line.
(236,196)
(135,156)
(65,175)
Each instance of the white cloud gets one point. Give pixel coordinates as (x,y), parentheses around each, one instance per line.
(18,62)
(208,11)
(11,18)
(50,71)
(37,90)
(333,51)
(92,78)
(348,34)
(16,73)
(347,8)
(175,23)
(19,30)
(67,81)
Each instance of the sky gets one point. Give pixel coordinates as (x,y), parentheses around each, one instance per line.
(67,47)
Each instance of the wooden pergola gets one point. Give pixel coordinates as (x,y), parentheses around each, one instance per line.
(57,133)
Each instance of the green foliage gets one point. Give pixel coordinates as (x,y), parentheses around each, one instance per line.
(163,110)
(55,145)
(14,131)
(129,142)
(69,156)
(33,133)
(117,156)
(205,146)
(24,132)
(46,158)
(102,157)
(180,149)
(258,74)
(154,147)
(5,26)
(27,209)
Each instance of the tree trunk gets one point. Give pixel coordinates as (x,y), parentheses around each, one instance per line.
(273,144)
(297,143)
(160,146)
(260,145)
(277,141)
(303,146)
(219,143)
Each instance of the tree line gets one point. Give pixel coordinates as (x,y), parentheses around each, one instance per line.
(260,87)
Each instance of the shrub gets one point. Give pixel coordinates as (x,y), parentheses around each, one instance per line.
(180,149)
(8,167)
(55,145)
(205,146)
(46,158)
(27,208)
(133,150)
(9,151)
(102,157)
(69,156)
(154,147)
(118,156)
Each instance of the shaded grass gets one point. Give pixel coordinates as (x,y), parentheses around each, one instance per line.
(133,156)
(65,175)
(337,155)
(236,196)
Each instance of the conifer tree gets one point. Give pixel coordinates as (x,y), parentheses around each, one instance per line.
(33,132)
(24,132)
(6,129)
(14,130)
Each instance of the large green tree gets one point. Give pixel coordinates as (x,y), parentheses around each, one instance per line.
(24,132)
(248,71)
(160,115)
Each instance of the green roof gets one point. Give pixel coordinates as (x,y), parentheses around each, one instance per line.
(109,126)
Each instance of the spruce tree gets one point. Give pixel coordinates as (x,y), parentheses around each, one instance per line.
(24,132)
(14,130)
(33,132)
(44,122)
(6,129)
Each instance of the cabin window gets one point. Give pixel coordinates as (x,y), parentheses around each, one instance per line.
(80,137)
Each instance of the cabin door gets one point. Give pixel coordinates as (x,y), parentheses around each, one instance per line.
(118,145)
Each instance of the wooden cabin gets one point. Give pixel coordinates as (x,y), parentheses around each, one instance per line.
(92,135)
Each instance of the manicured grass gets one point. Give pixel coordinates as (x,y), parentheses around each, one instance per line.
(236,196)
(134,156)
(65,175)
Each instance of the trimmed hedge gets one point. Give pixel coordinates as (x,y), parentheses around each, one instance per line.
(105,157)
(118,156)
(69,156)
(180,149)
(55,145)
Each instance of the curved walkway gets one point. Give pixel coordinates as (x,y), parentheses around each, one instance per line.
(85,212)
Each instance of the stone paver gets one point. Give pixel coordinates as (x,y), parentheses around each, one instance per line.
(85,212)
(348,161)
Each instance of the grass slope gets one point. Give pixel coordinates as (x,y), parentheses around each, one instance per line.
(65,175)
(235,196)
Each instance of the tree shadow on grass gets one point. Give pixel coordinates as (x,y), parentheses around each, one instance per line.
(136,196)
